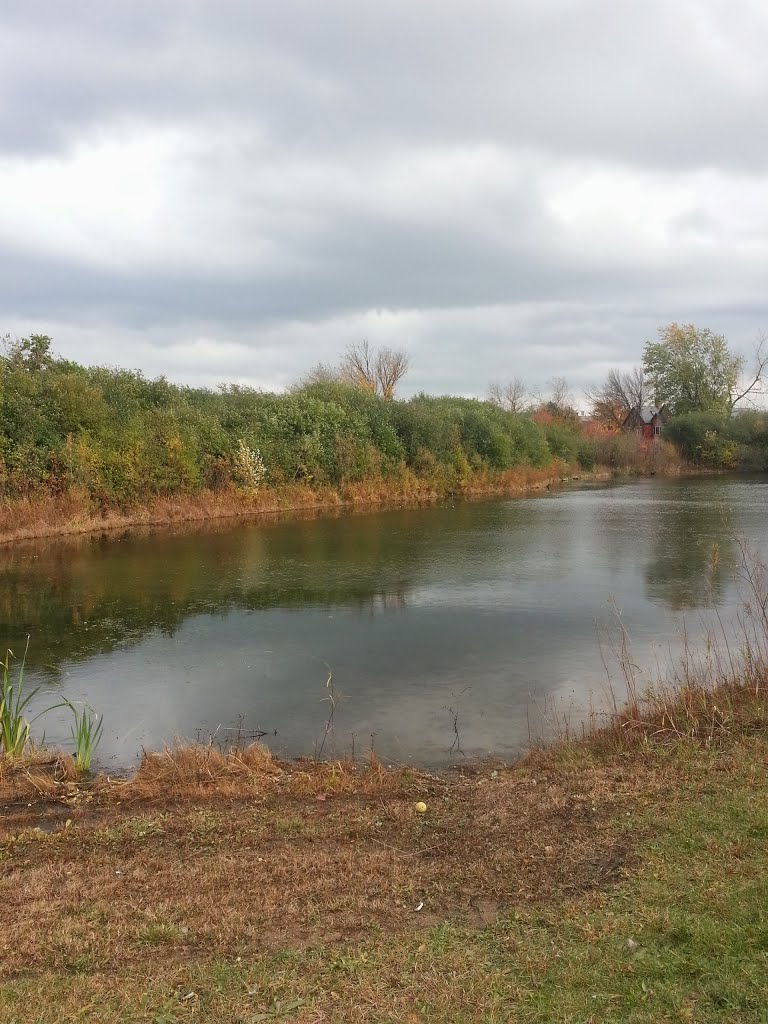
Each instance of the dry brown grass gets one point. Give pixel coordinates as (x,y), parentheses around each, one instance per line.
(38,774)
(186,771)
(45,516)
(280,908)
(322,853)
(191,769)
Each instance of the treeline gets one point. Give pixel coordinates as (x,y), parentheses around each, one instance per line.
(118,439)
(708,389)
(714,440)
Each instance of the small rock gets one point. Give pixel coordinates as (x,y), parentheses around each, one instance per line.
(632,946)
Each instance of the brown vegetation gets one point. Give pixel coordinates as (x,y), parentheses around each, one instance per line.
(48,516)
(294,855)
(375,370)
(617,396)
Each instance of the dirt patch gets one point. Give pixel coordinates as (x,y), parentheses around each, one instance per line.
(298,864)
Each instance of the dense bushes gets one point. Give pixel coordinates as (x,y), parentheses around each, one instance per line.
(117,438)
(722,442)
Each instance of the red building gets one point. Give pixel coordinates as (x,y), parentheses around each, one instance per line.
(648,420)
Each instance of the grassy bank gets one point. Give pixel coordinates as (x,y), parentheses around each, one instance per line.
(617,877)
(589,883)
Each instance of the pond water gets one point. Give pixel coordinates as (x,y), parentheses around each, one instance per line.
(469,617)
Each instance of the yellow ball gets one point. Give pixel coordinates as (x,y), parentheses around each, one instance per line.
(421,807)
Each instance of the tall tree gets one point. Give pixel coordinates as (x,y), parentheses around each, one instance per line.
(374,370)
(561,400)
(32,353)
(693,370)
(620,392)
(512,396)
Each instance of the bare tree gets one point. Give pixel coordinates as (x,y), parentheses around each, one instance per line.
(620,393)
(377,371)
(358,366)
(391,366)
(561,399)
(754,384)
(512,396)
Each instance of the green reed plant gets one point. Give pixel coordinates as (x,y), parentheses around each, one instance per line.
(14,726)
(86,734)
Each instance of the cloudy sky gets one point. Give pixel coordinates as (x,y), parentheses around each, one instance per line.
(235,190)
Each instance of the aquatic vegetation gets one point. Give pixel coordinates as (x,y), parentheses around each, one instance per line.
(14,726)
(86,734)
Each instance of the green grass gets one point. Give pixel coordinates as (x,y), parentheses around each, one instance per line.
(160,934)
(693,902)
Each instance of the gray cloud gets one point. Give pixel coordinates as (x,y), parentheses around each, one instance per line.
(507,188)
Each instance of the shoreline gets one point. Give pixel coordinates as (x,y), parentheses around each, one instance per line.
(619,875)
(49,518)
(44,518)
(215,887)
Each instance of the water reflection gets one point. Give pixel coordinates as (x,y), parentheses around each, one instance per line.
(692,556)
(175,632)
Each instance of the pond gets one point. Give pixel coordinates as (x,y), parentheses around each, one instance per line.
(459,625)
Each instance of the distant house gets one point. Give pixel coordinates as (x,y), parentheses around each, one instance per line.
(647,420)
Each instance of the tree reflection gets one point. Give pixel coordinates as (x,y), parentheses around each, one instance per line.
(92,595)
(692,555)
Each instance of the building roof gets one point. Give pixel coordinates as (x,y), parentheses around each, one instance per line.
(647,413)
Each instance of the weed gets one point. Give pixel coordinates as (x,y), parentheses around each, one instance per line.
(86,735)
(279,1009)
(454,711)
(159,934)
(15,728)
(333,701)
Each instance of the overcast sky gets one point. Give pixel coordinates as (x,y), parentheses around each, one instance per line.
(235,190)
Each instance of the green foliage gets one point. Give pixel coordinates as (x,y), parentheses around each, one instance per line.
(710,439)
(749,429)
(450,428)
(120,439)
(564,442)
(692,370)
(719,451)
(15,727)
